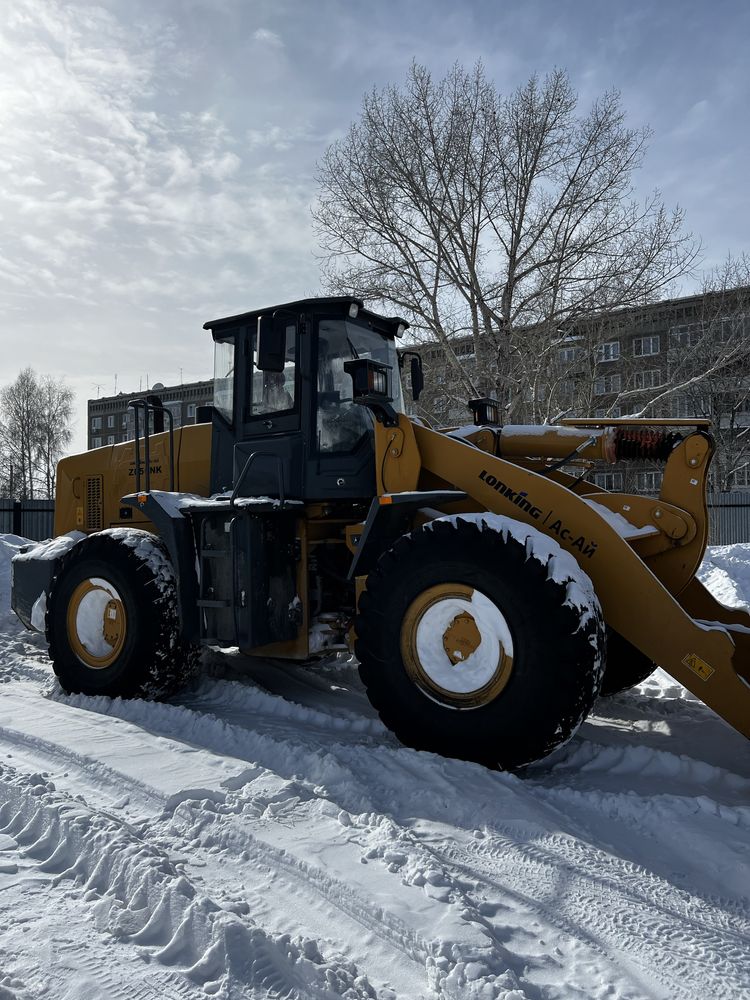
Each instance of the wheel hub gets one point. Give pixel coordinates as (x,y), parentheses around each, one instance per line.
(456,646)
(96,623)
(461,638)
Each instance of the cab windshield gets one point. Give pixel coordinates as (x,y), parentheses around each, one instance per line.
(341,423)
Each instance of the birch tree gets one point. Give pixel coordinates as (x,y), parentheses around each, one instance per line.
(34,432)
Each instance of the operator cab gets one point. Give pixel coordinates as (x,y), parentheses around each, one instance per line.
(285,422)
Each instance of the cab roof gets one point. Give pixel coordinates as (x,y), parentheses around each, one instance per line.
(337,302)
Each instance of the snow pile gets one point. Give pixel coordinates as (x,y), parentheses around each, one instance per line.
(726,573)
(263,835)
(53,548)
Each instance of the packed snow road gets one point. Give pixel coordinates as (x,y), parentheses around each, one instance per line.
(263,835)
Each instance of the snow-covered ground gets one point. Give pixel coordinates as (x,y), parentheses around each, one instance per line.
(263,835)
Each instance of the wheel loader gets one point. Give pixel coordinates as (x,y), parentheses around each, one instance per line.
(489,589)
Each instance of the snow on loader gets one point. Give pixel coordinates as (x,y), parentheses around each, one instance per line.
(489,590)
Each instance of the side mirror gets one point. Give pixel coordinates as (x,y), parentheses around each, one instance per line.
(417,377)
(272,338)
(416,371)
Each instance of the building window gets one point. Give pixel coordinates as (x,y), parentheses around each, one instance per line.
(650,482)
(110,439)
(96,423)
(96,442)
(648,379)
(609,351)
(611,481)
(175,408)
(741,478)
(111,421)
(732,327)
(465,350)
(191,411)
(607,383)
(686,334)
(643,346)
(566,355)
(681,406)
(690,406)
(124,420)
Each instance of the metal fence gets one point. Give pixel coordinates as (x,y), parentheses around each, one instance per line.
(728,518)
(28,518)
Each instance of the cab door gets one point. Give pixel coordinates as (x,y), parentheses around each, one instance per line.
(342,454)
(268,455)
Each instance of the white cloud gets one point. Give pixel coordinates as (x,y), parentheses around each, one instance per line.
(279,138)
(76,87)
(126,198)
(269,38)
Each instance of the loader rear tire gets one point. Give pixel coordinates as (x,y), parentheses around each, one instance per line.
(626,665)
(112,620)
(472,645)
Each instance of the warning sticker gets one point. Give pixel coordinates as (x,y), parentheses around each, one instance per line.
(693,662)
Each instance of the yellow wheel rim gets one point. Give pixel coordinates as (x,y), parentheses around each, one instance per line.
(96,623)
(456,646)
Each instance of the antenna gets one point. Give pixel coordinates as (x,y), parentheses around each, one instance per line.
(115,383)
(95,385)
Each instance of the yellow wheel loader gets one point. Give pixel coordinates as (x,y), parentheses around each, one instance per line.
(489,590)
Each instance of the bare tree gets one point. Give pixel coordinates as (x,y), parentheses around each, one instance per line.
(20,430)
(34,431)
(502,219)
(55,413)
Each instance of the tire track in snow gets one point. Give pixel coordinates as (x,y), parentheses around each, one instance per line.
(102,782)
(242,834)
(137,895)
(707,956)
(49,755)
(230,736)
(285,740)
(715,935)
(291,740)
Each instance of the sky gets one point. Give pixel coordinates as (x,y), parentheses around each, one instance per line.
(157,157)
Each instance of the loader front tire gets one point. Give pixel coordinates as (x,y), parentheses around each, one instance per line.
(473,645)
(112,621)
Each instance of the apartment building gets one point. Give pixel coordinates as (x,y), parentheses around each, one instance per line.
(652,360)
(111,419)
